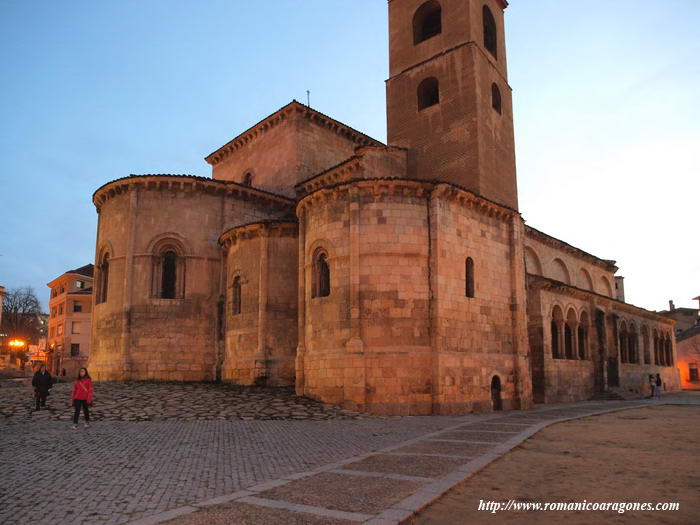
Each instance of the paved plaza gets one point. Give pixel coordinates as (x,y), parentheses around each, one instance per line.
(329,467)
(142,401)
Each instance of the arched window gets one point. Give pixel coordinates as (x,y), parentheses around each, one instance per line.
(496,98)
(169,275)
(583,337)
(557,327)
(657,354)
(427,22)
(496,393)
(236,296)
(103,283)
(428,93)
(669,351)
(168,269)
(570,334)
(322,276)
(645,344)
(555,340)
(623,342)
(632,350)
(490,32)
(248,179)
(469,274)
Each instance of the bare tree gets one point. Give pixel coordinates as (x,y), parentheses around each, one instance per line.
(21,313)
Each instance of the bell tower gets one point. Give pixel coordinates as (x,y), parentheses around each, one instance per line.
(448,98)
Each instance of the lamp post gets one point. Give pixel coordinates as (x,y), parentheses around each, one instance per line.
(17,345)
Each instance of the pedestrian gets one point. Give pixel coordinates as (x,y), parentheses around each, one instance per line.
(42,383)
(652,385)
(82,397)
(657,390)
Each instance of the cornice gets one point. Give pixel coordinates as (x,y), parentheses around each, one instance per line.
(473,201)
(188,183)
(568,248)
(269,228)
(343,171)
(375,186)
(552,285)
(399,186)
(279,116)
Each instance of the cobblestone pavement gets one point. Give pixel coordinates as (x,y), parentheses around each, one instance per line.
(123,471)
(141,401)
(388,486)
(118,471)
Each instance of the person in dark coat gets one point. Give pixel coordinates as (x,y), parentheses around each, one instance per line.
(42,383)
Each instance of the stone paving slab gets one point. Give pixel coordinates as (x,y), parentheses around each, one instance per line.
(481,437)
(367,495)
(499,427)
(461,470)
(425,466)
(446,447)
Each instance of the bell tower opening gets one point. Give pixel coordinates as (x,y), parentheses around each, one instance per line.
(451,54)
(427,22)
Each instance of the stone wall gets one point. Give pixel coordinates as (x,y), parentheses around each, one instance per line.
(378,342)
(550,257)
(137,333)
(261,340)
(484,336)
(461,139)
(291,145)
(598,364)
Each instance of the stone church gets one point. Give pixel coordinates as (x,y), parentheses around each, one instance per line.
(394,278)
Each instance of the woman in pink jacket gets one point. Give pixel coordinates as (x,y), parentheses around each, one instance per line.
(82,397)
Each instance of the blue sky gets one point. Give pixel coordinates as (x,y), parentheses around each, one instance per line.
(606,100)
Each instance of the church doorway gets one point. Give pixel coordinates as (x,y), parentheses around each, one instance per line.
(496,393)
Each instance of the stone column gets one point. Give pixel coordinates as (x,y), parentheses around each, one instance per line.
(261,354)
(521,354)
(433,220)
(128,281)
(299,362)
(355,377)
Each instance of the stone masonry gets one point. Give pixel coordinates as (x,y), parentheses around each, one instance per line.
(393,279)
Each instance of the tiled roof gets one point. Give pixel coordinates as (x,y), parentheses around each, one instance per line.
(690,332)
(86,291)
(608,262)
(366,138)
(88,270)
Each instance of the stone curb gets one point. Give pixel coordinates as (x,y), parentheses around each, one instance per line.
(424,496)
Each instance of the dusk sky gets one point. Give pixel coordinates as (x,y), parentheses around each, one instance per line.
(606,103)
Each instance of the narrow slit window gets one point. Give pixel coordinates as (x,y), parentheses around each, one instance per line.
(169,275)
(322,276)
(469,277)
(496,98)
(236,296)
